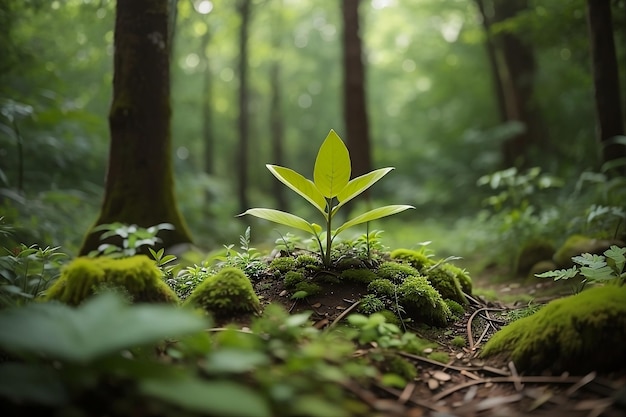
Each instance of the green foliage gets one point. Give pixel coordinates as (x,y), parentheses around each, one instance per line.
(417,259)
(225,294)
(282,264)
(137,275)
(306,289)
(189,278)
(331,182)
(594,268)
(446,283)
(248,260)
(27,272)
(370,304)
(359,275)
(292,278)
(132,238)
(441,357)
(520,313)
(579,333)
(382,287)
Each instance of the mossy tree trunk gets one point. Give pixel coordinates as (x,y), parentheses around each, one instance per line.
(139,180)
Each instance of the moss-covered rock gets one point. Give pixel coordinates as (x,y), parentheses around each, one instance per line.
(416,259)
(422,302)
(227,293)
(531,253)
(577,244)
(382,287)
(579,333)
(137,276)
(446,282)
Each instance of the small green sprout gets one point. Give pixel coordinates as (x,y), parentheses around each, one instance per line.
(330,190)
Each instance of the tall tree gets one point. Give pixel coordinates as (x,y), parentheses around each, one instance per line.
(244,98)
(139,180)
(277,127)
(354,104)
(606,82)
(514,66)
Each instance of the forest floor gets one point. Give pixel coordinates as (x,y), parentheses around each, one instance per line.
(469,385)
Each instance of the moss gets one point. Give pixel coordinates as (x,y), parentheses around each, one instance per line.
(382,286)
(422,302)
(577,244)
(227,293)
(531,253)
(360,276)
(458,341)
(137,275)
(440,357)
(446,283)
(399,366)
(282,264)
(309,262)
(390,317)
(370,304)
(292,278)
(462,276)
(395,271)
(457,309)
(417,260)
(309,287)
(579,333)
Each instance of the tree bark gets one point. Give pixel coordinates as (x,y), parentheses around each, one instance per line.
(355,112)
(277,126)
(139,180)
(610,122)
(243,125)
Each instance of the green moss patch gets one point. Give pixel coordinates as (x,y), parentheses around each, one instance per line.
(580,333)
(227,293)
(138,276)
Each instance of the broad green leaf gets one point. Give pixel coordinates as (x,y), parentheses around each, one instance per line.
(216,398)
(373,215)
(281,217)
(617,254)
(592,261)
(598,274)
(332,166)
(559,274)
(301,185)
(359,184)
(58,331)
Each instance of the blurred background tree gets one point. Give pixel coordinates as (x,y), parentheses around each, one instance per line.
(456,90)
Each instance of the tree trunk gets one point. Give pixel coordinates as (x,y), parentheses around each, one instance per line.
(606,82)
(515,69)
(207,135)
(355,113)
(277,126)
(242,153)
(139,180)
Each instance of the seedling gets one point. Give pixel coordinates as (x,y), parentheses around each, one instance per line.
(330,190)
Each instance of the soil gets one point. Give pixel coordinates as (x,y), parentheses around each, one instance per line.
(469,385)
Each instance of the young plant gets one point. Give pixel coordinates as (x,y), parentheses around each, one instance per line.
(133,238)
(595,268)
(330,190)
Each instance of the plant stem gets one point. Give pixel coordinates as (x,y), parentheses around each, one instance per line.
(329,217)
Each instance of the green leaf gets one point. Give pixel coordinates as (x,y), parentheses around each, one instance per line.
(301,185)
(559,274)
(103,325)
(617,254)
(359,184)
(220,398)
(373,215)
(332,166)
(29,383)
(234,361)
(281,217)
(589,260)
(603,273)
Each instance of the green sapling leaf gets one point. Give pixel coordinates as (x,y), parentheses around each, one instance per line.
(617,254)
(281,217)
(332,166)
(359,184)
(301,185)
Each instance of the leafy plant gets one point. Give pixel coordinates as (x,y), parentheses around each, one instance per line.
(132,237)
(27,271)
(595,268)
(248,260)
(330,190)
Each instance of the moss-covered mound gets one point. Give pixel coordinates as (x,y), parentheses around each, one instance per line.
(577,244)
(422,302)
(580,333)
(446,282)
(532,252)
(138,276)
(465,281)
(227,293)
